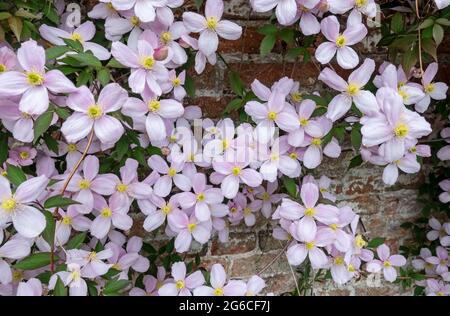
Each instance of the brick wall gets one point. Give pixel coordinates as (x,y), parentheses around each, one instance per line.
(382,208)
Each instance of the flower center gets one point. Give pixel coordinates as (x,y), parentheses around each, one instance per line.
(236,171)
(154,105)
(340,41)
(310,212)
(211,23)
(172,172)
(296,96)
(116,266)
(310,245)
(338,261)
(67,220)
(148,62)
(92,256)
(303,122)
(333,226)
(316,141)
(360,3)
(71,147)
(218,292)
(293,155)
(17,276)
(2,68)
(121,187)
(25,116)
(166,37)
(403,94)
(233,210)
(225,143)
(106,212)
(351,268)
(176,82)
(360,242)
(84,184)
(180,284)
(24,155)
(387,264)
(272,116)
(9,205)
(166,209)
(35,78)
(352,89)
(265,196)
(429,88)
(401,130)
(77,37)
(135,20)
(274,157)
(191,227)
(94,111)
(201,197)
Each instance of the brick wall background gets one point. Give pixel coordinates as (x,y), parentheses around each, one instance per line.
(383,209)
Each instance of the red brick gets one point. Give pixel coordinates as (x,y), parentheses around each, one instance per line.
(238,243)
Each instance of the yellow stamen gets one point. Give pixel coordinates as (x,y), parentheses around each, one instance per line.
(293,155)
(387,264)
(148,62)
(360,242)
(94,111)
(403,94)
(225,143)
(310,245)
(166,37)
(200,197)
(106,212)
(67,220)
(360,3)
(316,141)
(211,23)
(265,196)
(272,116)
(218,292)
(135,21)
(303,122)
(9,205)
(310,212)
(172,172)
(180,284)
(247,211)
(71,147)
(17,276)
(333,226)
(429,88)
(401,130)
(352,89)
(236,171)
(84,184)
(191,227)
(338,261)
(24,155)
(92,256)
(2,68)
(340,41)
(77,37)
(176,82)
(166,209)
(154,105)
(296,96)
(35,78)
(121,187)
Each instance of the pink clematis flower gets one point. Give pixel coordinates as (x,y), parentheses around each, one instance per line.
(444,153)
(309,213)
(268,197)
(71,278)
(233,173)
(386,263)
(433,90)
(32,287)
(441,4)
(157,210)
(147,72)
(70,220)
(170,176)
(151,284)
(203,199)
(444,197)
(157,113)
(219,285)
(435,287)
(285,11)
(22,156)
(351,91)
(82,34)
(307,11)
(308,126)
(34,83)
(90,114)
(439,231)
(188,227)
(15,207)
(113,214)
(441,260)
(339,43)
(423,263)
(145,10)
(255,285)
(8,59)
(182,285)
(211,27)
(12,249)
(91,262)
(366,7)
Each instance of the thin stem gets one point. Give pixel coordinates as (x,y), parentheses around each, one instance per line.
(65,185)
(420,38)
(294,277)
(274,259)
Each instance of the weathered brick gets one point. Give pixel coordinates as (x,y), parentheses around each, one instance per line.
(238,243)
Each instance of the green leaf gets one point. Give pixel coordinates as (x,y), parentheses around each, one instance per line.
(236,83)
(42,124)
(397,23)
(4,15)
(356,136)
(87,59)
(438,34)
(74,45)
(49,232)
(84,77)
(63,113)
(60,289)
(34,261)
(114,286)
(429,46)
(268,29)
(55,52)
(198,4)
(104,76)
(58,201)
(290,186)
(295,52)
(355,162)
(234,105)
(122,147)
(3,147)
(375,242)
(189,86)
(267,44)
(15,174)
(113,63)
(287,35)
(16,25)
(427,23)
(410,58)
(445,22)
(76,241)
